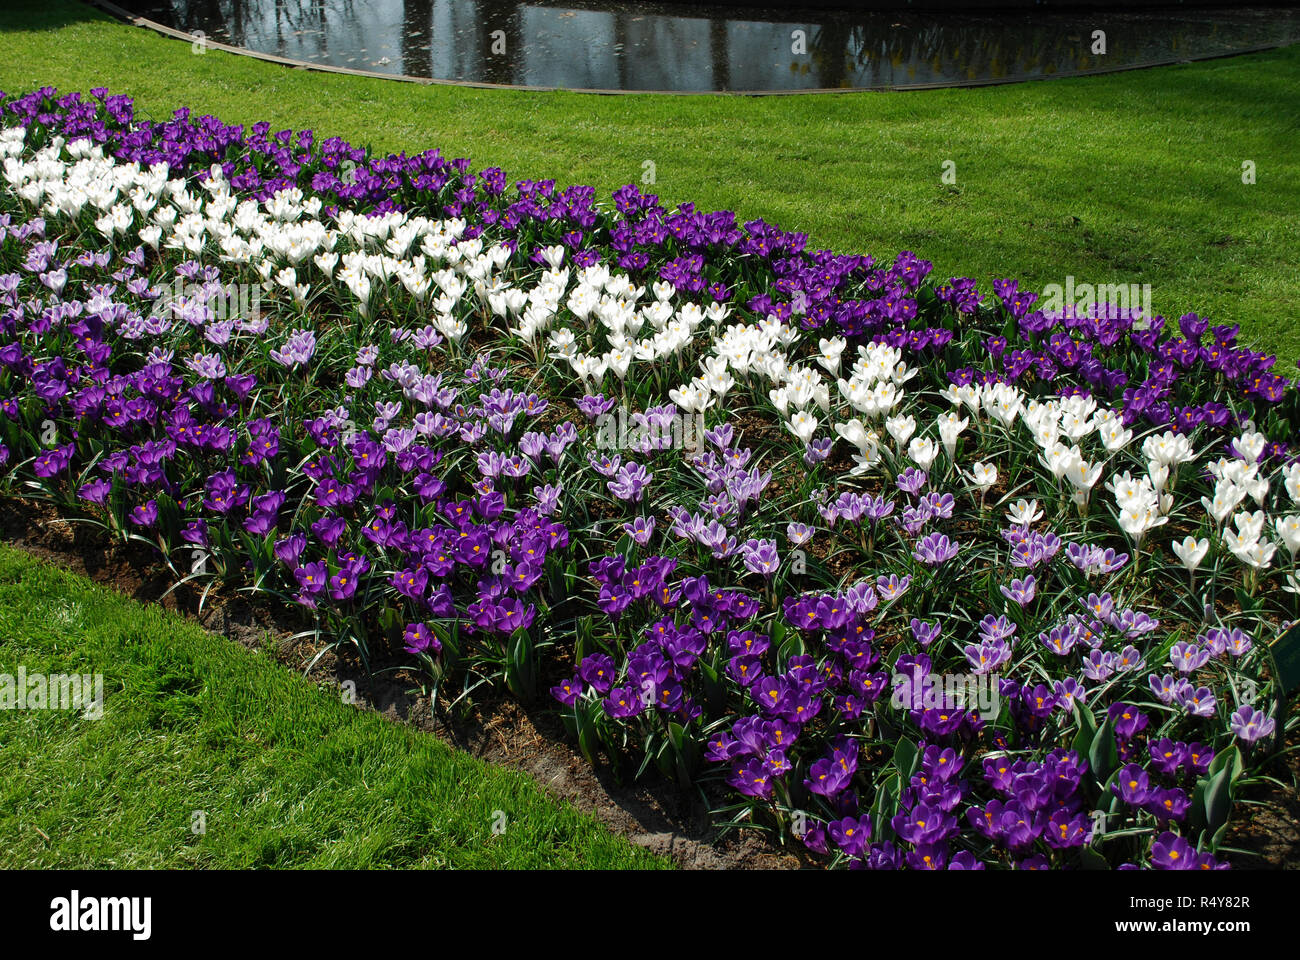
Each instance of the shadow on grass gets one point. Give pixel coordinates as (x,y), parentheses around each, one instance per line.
(32,16)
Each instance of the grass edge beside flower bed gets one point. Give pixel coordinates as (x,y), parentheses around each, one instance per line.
(286,774)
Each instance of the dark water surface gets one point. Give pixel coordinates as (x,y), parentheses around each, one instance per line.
(694,47)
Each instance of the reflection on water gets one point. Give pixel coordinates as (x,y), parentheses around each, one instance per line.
(649,46)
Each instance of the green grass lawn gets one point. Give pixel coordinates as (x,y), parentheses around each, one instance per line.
(1128,178)
(286,774)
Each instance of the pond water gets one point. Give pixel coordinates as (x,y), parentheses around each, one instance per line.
(651,46)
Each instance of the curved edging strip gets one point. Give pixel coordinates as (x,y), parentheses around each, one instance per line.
(113,9)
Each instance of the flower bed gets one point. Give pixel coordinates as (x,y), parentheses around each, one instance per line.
(929,579)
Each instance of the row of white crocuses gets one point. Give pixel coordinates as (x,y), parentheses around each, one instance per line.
(285,241)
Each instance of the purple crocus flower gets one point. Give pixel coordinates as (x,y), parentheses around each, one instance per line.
(1199,702)
(640,530)
(290,549)
(1168,756)
(1188,657)
(1099,665)
(1069,692)
(1237,643)
(418,638)
(196,532)
(1060,639)
(911,480)
(1129,659)
(96,491)
(568,691)
(53,462)
(1172,852)
(1171,804)
(851,834)
(1020,591)
(623,702)
(297,350)
(1168,688)
(312,578)
(924,633)
(760,557)
(1199,758)
(592,406)
(145,515)
(1065,830)
(1133,623)
(817,451)
(798,534)
(892,587)
(597,670)
(987,655)
(630,483)
(1250,724)
(1127,720)
(1100,606)
(935,549)
(924,825)
(753,779)
(343,585)
(1132,785)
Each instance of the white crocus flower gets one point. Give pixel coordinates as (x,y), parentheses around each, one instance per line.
(1058,458)
(1191,551)
(972,395)
(1114,436)
(1227,495)
(1292,480)
(554,255)
(1250,524)
(1258,489)
(984,476)
(1259,555)
(564,345)
(1047,435)
(693,398)
(619,361)
(1168,448)
(1003,404)
(950,426)
(1083,476)
(1158,473)
(325,261)
(780,399)
(803,425)
(1251,445)
(1024,512)
(922,452)
(901,429)
(1076,427)
(1138,519)
(854,431)
(829,352)
(1288,528)
(586,367)
(862,463)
